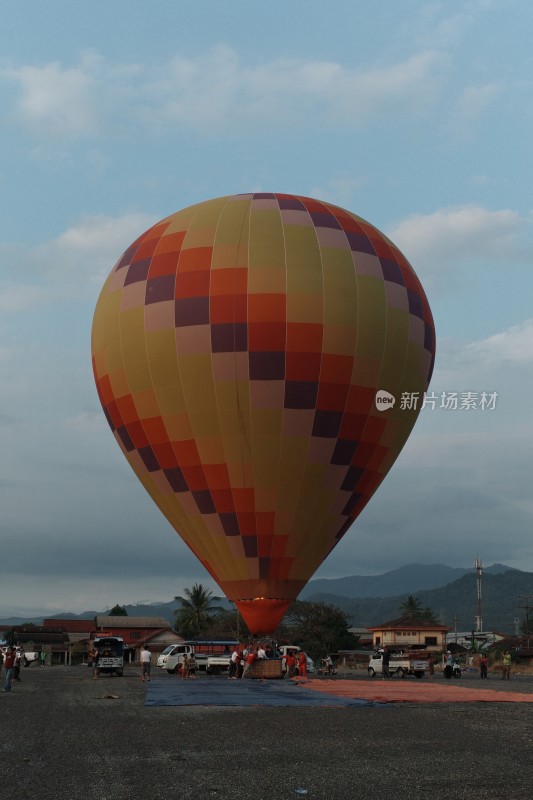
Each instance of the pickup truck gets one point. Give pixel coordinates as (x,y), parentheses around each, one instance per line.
(399,664)
(171,660)
(27,658)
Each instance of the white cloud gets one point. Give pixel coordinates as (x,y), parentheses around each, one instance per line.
(87,422)
(471,105)
(514,345)
(15,298)
(449,235)
(81,256)
(86,252)
(216,91)
(55,100)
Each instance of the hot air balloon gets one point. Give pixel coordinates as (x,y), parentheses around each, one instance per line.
(238,348)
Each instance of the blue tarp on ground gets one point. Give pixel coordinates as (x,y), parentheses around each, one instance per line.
(211,691)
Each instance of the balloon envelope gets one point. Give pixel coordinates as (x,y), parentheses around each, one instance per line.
(238,346)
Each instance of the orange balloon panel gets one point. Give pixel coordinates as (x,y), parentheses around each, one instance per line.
(237,349)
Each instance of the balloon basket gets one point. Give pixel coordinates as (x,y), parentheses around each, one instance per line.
(266,668)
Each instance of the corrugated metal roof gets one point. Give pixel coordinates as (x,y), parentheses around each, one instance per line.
(132,622)
(70,625)
(408,622)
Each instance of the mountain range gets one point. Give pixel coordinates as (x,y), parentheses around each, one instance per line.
(451,593)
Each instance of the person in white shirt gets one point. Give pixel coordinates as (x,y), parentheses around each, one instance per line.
(146,662)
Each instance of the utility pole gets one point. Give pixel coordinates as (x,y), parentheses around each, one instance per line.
(526,608)
(478,566)
(455,621)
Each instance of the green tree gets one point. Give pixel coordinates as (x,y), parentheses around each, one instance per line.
(10,638)
(118,611)
(319,628)
(411,606)
(227,624)
(197,611)
(428,614)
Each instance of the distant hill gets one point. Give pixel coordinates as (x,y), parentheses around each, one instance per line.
(409,579)
(368,600)
(455,603)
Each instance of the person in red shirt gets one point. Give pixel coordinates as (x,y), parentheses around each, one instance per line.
(290,664)
(9,666)
(250,658)
(302,664)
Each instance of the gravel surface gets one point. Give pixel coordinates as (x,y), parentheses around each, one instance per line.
(64,738)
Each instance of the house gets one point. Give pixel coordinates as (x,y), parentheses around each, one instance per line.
(408,632)
(79,630)
(54,640)
(137,631)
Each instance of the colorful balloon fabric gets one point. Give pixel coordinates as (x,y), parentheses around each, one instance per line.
(238,346)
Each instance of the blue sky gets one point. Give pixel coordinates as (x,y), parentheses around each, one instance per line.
(416,115)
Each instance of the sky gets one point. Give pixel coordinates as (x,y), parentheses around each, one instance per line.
(416,116)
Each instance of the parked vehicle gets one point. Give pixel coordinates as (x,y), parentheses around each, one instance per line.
(327,666)
(285,649)
(212,657)
(110,654)
(169,658)
(452,671)
(400,664)
(27,658)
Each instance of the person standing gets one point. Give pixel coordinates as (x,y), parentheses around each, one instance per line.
(9,666)
(232,676)
(249,662)
(18,663)
(302,664)
(506,666)
(483,667)
(146,663)
(42,658)
(448,669)
(185,667)
(385,662)
(240,665)
(192,666)
(431,668)
(290,664)
(94,655)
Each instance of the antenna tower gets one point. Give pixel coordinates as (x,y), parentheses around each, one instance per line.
(478,566)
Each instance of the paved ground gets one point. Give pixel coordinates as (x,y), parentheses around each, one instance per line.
(63,737)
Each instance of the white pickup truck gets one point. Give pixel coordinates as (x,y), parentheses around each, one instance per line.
(27,657)
(400,664)
(172,658)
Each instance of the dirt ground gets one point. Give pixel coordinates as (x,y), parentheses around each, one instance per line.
(64,737)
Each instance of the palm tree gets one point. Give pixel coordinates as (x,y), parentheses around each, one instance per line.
(196,612)
(411,606)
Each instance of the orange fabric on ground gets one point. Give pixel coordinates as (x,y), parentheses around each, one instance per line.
(415,692)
